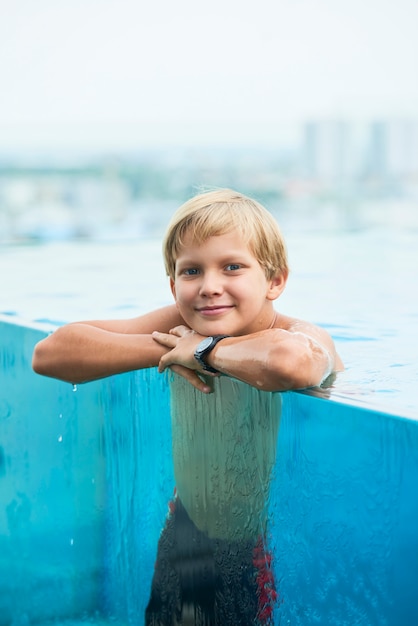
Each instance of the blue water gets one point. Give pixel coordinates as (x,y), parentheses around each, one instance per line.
(359,284)
(85,477)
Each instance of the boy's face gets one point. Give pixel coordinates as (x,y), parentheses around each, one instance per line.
(220,287)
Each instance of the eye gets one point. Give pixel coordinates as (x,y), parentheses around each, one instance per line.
(190,271)
(231,267)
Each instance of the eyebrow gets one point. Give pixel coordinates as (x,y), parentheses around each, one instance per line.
(226,258)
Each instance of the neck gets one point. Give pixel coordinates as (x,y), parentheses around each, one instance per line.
(273,321)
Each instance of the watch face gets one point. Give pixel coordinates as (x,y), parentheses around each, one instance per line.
(205,343)
(203,348)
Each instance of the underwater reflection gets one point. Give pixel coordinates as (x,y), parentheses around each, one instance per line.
(213,563)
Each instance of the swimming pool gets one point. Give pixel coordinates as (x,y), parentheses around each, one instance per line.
(359,284)
(85,476)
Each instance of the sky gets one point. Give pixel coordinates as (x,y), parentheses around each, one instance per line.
(123,74)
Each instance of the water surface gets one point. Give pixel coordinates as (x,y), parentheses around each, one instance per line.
(360,285)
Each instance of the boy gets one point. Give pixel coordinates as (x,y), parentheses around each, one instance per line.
(227,264)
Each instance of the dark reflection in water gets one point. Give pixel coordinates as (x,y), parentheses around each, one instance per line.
(213,564)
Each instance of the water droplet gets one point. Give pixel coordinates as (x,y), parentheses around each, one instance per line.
(60,416)
(74,387)
(71,541)
(60,438)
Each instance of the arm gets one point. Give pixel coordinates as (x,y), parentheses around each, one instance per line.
(90,350)
(294,356)
(276,359)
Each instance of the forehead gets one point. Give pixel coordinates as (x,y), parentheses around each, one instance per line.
(223,244)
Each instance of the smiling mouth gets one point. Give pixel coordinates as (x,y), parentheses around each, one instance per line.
(214,310)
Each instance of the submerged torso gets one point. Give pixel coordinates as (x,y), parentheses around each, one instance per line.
(224,449)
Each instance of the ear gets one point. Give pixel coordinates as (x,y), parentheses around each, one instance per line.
(276,285)
(173,288)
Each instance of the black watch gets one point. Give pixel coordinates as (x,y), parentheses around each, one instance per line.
(204,348)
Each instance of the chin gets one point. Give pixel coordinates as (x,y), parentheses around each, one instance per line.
(217,329)
(207,330)
(208,327)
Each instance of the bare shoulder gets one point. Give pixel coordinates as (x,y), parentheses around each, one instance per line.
(296,325)
(319,335)
(161,319)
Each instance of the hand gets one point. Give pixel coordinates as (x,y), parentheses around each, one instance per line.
(192,377)
(182,342)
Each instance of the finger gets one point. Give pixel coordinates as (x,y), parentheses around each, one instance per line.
(192,377)
(179,331)
(164,339)
(162,365)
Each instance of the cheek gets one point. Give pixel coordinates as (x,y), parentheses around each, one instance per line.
(249,290)
(252,295)
(182,294)
(186,312)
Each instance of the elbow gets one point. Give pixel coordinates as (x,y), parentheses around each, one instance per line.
(280,374)
(56,357)
(293,369)
(41,359)
(49,356)
(290,377)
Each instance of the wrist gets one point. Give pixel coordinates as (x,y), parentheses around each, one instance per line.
(204,348)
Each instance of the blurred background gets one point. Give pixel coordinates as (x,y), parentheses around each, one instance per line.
(112,112)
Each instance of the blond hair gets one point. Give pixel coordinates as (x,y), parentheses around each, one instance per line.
(219,212)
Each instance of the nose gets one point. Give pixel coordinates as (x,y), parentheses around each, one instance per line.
(211,284)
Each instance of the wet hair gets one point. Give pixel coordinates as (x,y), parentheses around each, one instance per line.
(219,212)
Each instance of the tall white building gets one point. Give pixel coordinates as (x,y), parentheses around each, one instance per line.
(402,148)
(338,151)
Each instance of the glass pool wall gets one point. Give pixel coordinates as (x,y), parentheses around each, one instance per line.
(86,474)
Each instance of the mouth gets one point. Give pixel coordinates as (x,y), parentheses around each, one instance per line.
(211,311)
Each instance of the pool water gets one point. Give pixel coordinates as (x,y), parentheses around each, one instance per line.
(360,285)
(86,475)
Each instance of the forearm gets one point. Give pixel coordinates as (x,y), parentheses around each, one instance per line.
(80,352)
(273,360)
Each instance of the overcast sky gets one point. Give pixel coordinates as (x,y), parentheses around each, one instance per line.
(127,73)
